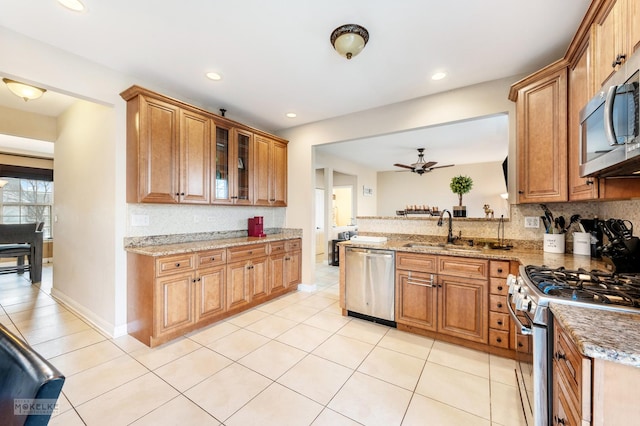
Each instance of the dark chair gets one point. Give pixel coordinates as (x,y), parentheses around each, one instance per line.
(20,241)
(26,375)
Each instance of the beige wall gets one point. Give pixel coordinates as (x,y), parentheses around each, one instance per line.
(397,190)
(20,123)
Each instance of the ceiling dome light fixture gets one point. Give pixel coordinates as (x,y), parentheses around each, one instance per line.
(349,39)
(75,5)
(24,91)
(291,115)
(214,76)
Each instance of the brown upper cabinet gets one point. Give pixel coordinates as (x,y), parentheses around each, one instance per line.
(270,172)
(548,104)
(541,114)
(177,153)
(615,35)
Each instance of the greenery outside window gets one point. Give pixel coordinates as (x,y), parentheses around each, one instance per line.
(27,201)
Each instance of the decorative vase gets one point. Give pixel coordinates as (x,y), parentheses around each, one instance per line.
(459,211)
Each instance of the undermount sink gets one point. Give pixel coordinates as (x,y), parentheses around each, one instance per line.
(444,247)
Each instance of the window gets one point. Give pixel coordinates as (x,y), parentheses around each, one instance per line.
(26,201)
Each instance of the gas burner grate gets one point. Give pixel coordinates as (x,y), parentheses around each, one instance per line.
(586,286)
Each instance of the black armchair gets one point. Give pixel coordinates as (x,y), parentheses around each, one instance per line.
(20,241)
(25,375)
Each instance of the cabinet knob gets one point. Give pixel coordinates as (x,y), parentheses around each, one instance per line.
(499,270)
(589,182)
(213,258)
(499,340)
(520,344)
(499,322)
(500,287)
(559,355)
(499,304)
(177,265)
(250,252)
(559,420)
(193,280)
(199,279)
(619,60)
(520,192)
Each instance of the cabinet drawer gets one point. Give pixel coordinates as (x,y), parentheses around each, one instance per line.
(172,264)
(246,252)
(276,248)
(498,303)
(416,262)
(522,342)
(568,360)
(293,245)
(499,269)
(463,267)
(499,321)
(499,338)
(211,258)
(498,286)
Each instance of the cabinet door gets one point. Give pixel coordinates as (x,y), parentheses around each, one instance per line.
(633,26)
(293,268)
(579,94)
(238,285)
(195,146)
(173,302)
(416,299)
(259,278)
(243,186)
(463,308)
(210,286)
(223,180)
(606,37)
(157,151)
(277,272)
(542,140)
(261,167)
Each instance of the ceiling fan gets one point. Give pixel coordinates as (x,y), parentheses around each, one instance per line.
(420,167)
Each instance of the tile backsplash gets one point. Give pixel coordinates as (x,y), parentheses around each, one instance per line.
(514,230)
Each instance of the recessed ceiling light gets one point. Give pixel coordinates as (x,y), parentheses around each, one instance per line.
(438,76)
(75,5)
(291,114)
(214,76)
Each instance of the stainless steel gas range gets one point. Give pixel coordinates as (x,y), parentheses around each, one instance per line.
(529,296)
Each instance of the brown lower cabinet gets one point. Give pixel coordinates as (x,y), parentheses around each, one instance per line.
(435,294)
(169,296)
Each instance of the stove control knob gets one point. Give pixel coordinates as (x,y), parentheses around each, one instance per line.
(511,282)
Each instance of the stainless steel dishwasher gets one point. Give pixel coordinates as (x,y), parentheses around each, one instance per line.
(370,284)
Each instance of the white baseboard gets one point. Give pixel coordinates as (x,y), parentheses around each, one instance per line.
(103,326)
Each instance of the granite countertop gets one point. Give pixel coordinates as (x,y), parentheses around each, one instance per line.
(602,334)
(207,244)
(525,257)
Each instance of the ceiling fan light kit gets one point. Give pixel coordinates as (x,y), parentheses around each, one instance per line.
(421,167)
(349,39)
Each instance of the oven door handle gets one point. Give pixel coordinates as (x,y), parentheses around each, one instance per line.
(523,330)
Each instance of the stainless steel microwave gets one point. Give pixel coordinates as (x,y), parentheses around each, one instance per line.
(609,128)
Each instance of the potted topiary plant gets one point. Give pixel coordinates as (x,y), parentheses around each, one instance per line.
(460,185)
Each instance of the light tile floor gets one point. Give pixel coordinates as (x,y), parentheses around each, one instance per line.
(292,361)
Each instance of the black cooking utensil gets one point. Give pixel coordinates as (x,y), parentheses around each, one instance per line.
(573,219)
(561,222)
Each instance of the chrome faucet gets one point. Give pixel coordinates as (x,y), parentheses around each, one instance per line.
(450,237)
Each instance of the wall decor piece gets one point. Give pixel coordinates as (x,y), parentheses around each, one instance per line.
(367,192)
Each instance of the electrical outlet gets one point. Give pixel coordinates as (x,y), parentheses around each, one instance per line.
(139,220)
(532,222)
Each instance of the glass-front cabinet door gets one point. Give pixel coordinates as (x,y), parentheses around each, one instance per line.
(222,184)
(244,172)
(233,166)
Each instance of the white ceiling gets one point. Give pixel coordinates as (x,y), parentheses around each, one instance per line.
(275,56)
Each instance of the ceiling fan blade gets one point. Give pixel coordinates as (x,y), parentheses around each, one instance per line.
(429,164)
(403,166)
(440,167)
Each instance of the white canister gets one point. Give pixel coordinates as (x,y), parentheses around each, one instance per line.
(582,243)
(554,243)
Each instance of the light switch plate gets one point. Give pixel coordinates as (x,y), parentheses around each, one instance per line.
(532,222)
